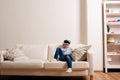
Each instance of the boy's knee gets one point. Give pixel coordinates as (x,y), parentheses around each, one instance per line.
(58,49)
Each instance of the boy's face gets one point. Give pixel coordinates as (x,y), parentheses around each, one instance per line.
(65,45)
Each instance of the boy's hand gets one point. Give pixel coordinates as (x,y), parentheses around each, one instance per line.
(73,50)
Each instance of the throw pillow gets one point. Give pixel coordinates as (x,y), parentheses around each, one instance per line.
(80,53)
(19,55)
(9,54)
(15,54)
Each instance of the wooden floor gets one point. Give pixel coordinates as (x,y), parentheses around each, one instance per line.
(106,76)
(97,76)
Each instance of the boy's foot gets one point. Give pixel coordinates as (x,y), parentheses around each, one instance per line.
(54,60)
(69,70)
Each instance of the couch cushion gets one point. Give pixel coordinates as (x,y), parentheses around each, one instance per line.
(52,49)
(19,55)
(63,65)
(34,51)
(31,64)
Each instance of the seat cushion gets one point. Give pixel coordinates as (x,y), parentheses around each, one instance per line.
(63,65)
(31,64)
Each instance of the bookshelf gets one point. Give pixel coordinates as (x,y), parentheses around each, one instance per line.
(111,33)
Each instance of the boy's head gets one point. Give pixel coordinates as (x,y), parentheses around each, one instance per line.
(66,43)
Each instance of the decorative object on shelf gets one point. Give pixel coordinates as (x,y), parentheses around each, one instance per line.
(117,42)
(112,33)
(118,20)
(118,52)
(113,20)
(111,40)
(115,10)
(109,59)
(107,10)
(108,28)
(111,0)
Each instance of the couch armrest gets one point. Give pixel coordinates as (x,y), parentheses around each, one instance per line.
(91,64)
(1,56)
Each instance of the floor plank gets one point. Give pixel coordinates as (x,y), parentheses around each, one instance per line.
(97,76)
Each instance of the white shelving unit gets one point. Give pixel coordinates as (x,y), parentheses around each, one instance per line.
(112,14)
(113,23)
(111,34)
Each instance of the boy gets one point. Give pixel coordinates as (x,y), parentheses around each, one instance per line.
(64,54)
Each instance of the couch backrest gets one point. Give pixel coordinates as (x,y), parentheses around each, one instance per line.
(52,49)
(34,51)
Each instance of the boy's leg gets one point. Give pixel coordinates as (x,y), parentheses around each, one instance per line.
(69,61)
(56,53)
(59,53)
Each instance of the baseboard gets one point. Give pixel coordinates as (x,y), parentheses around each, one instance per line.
(113,70)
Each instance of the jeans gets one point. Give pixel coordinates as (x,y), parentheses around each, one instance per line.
(63,57)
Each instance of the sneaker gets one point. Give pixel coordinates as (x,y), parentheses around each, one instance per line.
(54,60)
(69,70)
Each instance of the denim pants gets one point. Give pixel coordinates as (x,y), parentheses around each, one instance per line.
(63,57)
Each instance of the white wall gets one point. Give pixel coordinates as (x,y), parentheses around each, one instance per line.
(39,21)
(52,21)
(94,31)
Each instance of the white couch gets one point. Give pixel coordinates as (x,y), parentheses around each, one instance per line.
(40,63)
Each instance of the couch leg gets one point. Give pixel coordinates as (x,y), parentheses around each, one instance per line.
(91,77)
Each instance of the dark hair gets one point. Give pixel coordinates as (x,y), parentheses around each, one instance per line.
(67,41)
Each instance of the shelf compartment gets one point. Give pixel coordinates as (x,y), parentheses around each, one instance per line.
(113,23)
(114,63)
(113,34)
(112,3)
(114,66)
(113,44)
(113,14)
(113,54)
